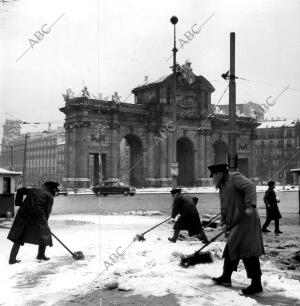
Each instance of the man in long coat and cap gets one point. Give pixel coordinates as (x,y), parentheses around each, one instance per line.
(240,220)
(31,221)
(272,209)
(189,219)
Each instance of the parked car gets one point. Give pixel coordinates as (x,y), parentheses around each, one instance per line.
(114,187)
(62,191)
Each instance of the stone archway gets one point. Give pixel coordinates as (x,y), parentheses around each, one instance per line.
(131,161)
(186,162)
(220,151)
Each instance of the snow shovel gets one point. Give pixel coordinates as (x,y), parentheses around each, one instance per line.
(141,236)
(203,257)
(76,255)
(211,220)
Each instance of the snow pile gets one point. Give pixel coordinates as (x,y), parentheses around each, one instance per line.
(152,268)
(143,213)
(113,260)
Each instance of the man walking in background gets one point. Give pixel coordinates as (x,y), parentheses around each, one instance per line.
(272,210)
(240,220)
(189,219)
(31,221)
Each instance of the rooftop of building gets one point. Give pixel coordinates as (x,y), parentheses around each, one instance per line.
(7,172)
(279,123)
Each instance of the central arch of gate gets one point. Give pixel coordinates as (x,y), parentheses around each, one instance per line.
(133,142)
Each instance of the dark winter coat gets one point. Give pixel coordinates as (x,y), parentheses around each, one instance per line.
(245,239)
(31,221)
(189,217)
(270,200)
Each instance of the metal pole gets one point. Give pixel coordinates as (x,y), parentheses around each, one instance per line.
(232,107)
(100,161)
(298,176)
(24,161)
(283,153)
(174,21)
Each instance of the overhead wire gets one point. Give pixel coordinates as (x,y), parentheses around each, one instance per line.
(266,83)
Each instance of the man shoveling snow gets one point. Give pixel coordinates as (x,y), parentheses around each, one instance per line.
(189,219)
(239,214)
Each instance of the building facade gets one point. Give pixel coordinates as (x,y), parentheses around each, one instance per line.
(277,150)
(95,131)
(39,156)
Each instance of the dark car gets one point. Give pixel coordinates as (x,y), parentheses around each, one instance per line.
(62,191)
(114,187)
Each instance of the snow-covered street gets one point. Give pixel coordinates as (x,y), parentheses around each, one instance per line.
(146,268)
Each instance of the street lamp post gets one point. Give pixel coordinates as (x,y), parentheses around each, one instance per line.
(174,166)
(233,157)
(24,160)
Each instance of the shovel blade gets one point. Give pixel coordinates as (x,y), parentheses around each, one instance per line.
(139,238)
(196,258)
(78,255)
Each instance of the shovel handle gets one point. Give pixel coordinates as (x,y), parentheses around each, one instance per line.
(209,242)
(156,226)
(220,234)
(212,219)
(62,244)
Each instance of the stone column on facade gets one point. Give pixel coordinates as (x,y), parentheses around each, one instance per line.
(156,170)
(150,150)
(81,152)
(163,161)
(208,153)
(69,153)
(169,156)
(115,151)
(76,154)
(202,155)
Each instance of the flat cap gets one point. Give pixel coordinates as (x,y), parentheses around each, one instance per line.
(271,183)
(217,168)
(176,190)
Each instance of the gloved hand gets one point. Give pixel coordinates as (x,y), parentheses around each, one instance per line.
(249,211)
(224,228)
(171,221)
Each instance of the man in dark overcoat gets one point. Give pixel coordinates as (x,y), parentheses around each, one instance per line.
(31,221)
(240,221)
(272,209)
(189,219)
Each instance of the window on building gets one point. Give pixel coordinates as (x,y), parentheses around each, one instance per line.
(289,144)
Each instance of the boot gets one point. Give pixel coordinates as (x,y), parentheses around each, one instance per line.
(175,236)
(41,253)
(202,237)
(277,230)
(223,280)
(255,287)
(265,230)
(13,254)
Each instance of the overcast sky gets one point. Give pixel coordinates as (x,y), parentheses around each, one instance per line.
(110,45)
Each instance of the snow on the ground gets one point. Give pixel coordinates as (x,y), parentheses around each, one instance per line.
(148,268)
